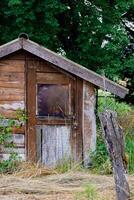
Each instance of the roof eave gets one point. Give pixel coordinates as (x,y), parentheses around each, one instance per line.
(11,47)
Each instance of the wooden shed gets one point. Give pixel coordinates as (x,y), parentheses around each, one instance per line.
(59,98)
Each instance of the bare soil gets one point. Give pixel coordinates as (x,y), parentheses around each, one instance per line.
(66,186)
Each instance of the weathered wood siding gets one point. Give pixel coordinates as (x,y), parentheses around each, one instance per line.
(89,121)
(11,86)
(53,144)
(12,98)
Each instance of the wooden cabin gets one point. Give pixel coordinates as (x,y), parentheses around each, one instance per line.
(58,97)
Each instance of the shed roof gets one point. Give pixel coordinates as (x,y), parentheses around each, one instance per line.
(63,63)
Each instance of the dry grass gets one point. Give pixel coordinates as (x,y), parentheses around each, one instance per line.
(34,182)
(32,170)
(57,187)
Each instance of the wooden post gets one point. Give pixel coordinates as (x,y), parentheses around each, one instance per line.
(114,140)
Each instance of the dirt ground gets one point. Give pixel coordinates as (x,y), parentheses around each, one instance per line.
(66,186)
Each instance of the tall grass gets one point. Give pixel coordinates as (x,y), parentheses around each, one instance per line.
(100,159)
(129,138)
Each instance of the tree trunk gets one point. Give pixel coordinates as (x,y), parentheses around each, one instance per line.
(114,140)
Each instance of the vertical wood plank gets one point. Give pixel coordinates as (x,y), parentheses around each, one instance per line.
(56,145)
(31,109)
(79,115)
(39,143)
(89,122)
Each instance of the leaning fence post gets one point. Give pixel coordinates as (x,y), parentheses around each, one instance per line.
(113,135)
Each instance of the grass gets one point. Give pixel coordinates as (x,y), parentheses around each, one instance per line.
(100,159)
(31,170)
(129,138)
(89,193)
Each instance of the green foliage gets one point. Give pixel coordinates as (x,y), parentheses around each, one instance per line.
(89,193)
(106,101)
(100,159)
(129,138)
(37,18)
(63,166)
(10,165)
(91,33)
(6,128)
(6,131)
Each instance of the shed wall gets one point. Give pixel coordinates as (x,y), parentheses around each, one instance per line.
(11,86)
(89,121)
(12,98)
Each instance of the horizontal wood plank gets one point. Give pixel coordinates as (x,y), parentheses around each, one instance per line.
(12,84)
(12,97)
(8,113)
(12,66)
(54,78)
(8,76)
(44,66)
(13,105)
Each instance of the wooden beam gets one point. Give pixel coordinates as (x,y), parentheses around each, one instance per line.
(31,109)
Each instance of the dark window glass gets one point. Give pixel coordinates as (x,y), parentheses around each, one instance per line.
(52,100)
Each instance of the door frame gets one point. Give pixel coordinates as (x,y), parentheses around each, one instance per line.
(76,98)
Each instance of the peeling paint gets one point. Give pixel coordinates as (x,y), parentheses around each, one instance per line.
(13,106)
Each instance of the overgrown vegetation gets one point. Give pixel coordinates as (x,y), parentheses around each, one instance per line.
(9,165)
(100,159)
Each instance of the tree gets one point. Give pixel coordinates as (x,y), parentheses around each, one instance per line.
(35,17)
(92,33)
(95,34)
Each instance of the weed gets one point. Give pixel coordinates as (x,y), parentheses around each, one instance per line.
(64,165)
(89,193)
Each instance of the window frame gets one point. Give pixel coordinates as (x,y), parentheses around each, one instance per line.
(53,79)
(68,111)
